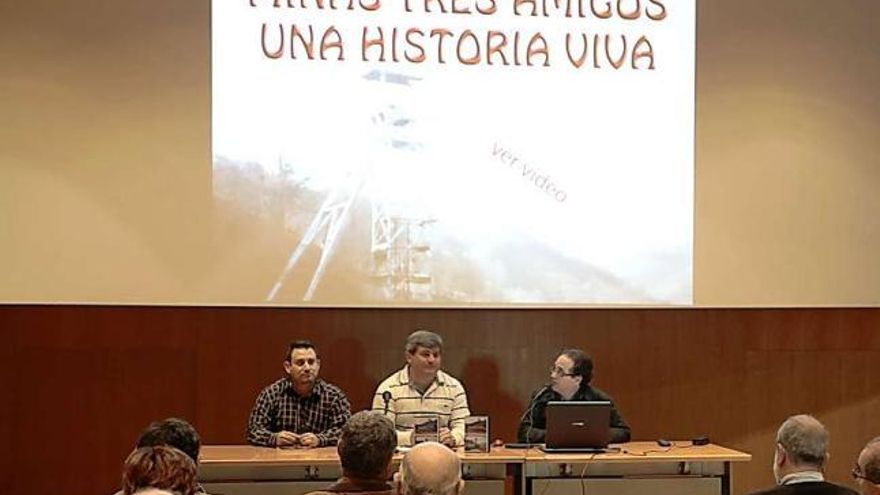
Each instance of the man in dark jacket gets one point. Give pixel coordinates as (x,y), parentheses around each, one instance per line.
(365,448)
(799,459)
(570,378)
(867,470)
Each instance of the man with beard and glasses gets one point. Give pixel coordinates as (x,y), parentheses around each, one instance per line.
(570,378)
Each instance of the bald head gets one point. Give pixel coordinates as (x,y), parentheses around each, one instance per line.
(430,468)
(804,439)
(869,466)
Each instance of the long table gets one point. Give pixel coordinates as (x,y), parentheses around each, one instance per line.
(639,467)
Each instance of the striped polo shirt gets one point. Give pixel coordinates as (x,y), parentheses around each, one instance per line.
(445,397)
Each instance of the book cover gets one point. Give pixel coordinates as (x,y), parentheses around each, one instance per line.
(476,434)
(426,429)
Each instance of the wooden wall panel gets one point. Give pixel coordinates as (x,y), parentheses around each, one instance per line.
(81,382)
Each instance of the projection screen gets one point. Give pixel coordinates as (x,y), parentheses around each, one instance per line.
(439,152)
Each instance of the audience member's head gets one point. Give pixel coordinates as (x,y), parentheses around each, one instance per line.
(160,467)
(174,432)
(366,445)
(430,468)
(867,469)
(801,445)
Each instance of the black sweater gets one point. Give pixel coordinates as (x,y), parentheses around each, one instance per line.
(534,419)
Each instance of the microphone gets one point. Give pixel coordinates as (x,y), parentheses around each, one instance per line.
(528,412)
(386,396)
(531,412)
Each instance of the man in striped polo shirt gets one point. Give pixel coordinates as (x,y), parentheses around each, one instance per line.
(421,388)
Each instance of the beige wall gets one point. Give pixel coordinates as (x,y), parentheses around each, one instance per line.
(788,161)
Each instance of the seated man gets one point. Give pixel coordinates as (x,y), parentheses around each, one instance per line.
(299,409)
(161,467)
(867,470)
(365,449)
(422,388)
(429,469)
(799,458)
(570,378)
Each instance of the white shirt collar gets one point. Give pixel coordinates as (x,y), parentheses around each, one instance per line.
(801,477)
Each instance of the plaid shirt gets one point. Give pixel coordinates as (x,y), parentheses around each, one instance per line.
(278,408)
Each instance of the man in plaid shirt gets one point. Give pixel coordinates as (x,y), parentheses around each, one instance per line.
(299,409)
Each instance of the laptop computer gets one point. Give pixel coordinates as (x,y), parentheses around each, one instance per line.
(577,426)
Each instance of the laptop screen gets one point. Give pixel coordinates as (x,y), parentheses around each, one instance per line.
(578,424)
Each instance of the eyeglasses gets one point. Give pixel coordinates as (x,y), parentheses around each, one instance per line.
(858,475)
(556,370)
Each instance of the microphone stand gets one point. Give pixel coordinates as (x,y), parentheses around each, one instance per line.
(531,412)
